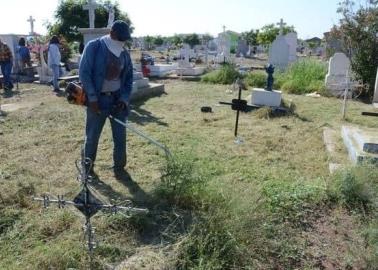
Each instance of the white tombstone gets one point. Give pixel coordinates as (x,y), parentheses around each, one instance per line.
(375,98)
(262,97)
(335,81)
(279,53)
(139,81)
(12,41)
(223,48)
(283,51)
(44,72)
(111,16)
(92,32)
(91,7)
(292,41)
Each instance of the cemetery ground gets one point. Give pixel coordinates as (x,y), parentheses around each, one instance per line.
(269,203)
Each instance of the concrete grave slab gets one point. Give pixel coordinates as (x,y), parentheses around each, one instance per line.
(262,97)
(361,143)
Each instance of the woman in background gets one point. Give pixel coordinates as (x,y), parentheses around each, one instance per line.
(53,61)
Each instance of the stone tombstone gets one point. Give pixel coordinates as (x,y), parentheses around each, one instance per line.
(224,46)
(184,62)
(375,98)
(279,53)
(242,48)
(92,32)
(12,41)
(111,16)
(44,72)
(292,41)
(335,81)
(91,7)
(283,50)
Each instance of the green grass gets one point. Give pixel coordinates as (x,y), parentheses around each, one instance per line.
(301,77)
(304,76)
(217,205)
(227,74)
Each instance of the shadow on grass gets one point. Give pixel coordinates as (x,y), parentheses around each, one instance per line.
(142,116)
(10,93)
(164,223)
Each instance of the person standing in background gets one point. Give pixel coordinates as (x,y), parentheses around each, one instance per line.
(53,61)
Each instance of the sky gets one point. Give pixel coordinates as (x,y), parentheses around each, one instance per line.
(168,17)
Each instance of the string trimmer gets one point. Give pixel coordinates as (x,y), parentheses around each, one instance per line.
(76,95)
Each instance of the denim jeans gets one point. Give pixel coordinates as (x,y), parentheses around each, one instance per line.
(6,70)
(56,73)
(95,123)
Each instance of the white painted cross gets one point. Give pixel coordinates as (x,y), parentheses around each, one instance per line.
(91,7)
(281,24)
(31,20)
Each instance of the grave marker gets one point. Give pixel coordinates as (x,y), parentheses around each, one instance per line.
(91,7)
(31,21)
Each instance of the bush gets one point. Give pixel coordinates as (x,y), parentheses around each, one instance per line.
(181,184)
(211,245)
(304,76)
(256,79)
(226,75)
(357,189)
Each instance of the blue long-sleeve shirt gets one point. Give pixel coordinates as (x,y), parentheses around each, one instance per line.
(92,71)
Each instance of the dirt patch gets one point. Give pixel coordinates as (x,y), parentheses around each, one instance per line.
(333,242)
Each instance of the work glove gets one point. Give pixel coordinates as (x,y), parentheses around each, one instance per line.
(94,107)
(120,107)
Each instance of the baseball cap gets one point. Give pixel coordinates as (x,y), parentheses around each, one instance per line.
(122,30)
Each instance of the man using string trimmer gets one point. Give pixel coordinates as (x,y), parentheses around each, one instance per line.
(106,74)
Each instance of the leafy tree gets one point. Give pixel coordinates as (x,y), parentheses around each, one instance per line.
(192,40)
(176,40)
(206,38)
(251,37)
(269,32)
(158,41)
(358,31)
(70,16)
(149,41)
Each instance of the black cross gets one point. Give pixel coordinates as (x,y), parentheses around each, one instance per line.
(239,105)
(87,203)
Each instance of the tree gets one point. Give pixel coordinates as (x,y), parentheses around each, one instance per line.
(149,41)
(70,16)
(251,37)
(158,41)
(358,31)
(176,40)
(206,38)
(192,40)
(268,33)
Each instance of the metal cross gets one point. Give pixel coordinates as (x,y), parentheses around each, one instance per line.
(91,7)
(31,20)
(88,204)
(239,105)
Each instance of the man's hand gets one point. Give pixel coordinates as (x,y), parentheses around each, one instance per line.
(94,107)
(120,106)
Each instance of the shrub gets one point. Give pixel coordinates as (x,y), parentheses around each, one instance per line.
(304,76)
(256,79)
(226,75)
(357,188)
(211,245)
(181,184)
